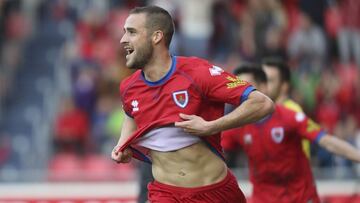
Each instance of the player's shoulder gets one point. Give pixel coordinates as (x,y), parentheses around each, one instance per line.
(197,67)
(192,64)
(126,82)
(290,114)
(291,104)
(284,110)
(190,60)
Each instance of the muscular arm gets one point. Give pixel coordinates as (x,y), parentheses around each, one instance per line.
(253,109)
(340,147)
(129,126)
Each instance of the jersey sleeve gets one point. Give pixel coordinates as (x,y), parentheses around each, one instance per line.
(290,104)
(126,107)
(229,139)
(306,127)
(127,111)
(221,86)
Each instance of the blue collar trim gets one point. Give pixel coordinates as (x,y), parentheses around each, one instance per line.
(163,79)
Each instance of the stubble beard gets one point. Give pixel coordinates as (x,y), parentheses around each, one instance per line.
(142,57)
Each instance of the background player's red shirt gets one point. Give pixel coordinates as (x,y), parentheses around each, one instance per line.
(279,169)
(192,86)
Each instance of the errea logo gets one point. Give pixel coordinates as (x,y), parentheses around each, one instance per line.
(135,105)
(215,70)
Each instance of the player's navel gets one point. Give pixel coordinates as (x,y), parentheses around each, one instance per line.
(181,173)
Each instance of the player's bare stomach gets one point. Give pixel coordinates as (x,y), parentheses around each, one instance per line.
(192,166)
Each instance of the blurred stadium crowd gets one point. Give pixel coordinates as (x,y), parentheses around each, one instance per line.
(61,64)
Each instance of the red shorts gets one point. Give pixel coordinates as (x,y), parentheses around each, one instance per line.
(226,191)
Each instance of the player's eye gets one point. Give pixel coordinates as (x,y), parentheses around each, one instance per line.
(131,31)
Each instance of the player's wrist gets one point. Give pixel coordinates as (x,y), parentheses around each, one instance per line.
(214,127)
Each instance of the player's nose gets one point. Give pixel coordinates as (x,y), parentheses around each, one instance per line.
(124,39)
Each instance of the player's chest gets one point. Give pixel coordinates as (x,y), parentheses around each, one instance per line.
(174,95)
(272,138)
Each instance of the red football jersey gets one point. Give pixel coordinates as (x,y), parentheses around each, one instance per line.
(192,86)
(279,169)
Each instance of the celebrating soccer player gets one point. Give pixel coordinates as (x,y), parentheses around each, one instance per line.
(279,88)
(168,101)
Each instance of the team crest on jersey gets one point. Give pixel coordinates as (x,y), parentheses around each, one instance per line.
(181,98)
(215,70)
(277,134)
(247,139)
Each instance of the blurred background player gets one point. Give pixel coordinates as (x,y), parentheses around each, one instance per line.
(279,169)
(279,88)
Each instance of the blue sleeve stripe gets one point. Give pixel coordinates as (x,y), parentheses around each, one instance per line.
(319,136)
(246,93)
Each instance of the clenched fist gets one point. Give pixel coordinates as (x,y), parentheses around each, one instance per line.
(121,157)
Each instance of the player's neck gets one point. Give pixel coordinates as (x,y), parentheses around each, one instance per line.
(281,99)
(157,67)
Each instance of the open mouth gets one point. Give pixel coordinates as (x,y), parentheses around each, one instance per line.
(129,51)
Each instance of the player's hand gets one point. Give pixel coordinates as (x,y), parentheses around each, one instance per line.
(195,125)
(121,157)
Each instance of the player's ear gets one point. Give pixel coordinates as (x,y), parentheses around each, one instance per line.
(157,36)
